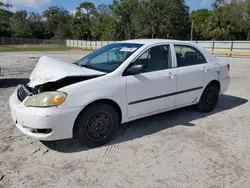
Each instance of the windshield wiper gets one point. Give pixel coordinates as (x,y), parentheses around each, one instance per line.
(93,68)
(89,67)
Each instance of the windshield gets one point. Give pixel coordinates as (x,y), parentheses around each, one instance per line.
(109,57)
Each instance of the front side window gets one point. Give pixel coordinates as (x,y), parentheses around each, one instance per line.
(187,56)
(156,58)
(110,57)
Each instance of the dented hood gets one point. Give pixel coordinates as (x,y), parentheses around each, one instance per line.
(50,70)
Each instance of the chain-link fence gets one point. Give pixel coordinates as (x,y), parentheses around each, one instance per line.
(7,41)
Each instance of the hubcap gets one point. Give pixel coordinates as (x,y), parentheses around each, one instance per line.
(99,126)
(210,98)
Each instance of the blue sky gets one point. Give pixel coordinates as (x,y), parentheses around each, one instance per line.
(41,5)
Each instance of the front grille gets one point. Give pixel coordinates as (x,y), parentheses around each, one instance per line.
(22,93)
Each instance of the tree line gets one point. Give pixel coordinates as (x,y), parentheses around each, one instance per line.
(128,19)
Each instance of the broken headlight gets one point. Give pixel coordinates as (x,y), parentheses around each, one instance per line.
(46,99)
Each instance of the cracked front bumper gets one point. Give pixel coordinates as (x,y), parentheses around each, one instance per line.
(59,121)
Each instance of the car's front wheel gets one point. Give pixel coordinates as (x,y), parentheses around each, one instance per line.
(209,98)
(96,125)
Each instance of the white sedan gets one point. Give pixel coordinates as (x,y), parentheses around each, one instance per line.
(121,82)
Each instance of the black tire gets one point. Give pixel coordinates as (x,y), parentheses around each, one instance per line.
(209,98)
(96,125)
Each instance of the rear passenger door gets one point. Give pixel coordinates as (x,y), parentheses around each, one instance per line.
(190,64)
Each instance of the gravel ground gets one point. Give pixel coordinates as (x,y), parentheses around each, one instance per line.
(183,148)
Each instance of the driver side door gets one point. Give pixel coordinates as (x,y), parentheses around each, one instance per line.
(153,90)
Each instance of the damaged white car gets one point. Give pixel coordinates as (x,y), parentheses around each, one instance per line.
(118,83)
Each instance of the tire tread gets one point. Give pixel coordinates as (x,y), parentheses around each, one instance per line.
(81,123)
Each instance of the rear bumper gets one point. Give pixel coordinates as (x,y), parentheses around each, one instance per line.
(59,121)
(224,82)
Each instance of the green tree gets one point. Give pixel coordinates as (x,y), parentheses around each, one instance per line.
(57,19)
(218,3)
(123,12)
(5,29)
(226,22)
(19,24)
(104,9)
(244,23)
(200,19)
(81,21)
(127,19)
(103,24)
(170,19)
(2,4)
(36,25)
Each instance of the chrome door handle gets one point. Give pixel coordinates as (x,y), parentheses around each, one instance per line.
(205,69)
(171,75)
(218,70)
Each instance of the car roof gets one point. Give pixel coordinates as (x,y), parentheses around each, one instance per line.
(153,41)
(209,56)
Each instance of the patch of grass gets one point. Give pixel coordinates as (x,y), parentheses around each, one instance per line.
(31,49)
(82,48)
(183,50)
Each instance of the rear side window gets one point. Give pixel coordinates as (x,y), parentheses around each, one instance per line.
(188,56)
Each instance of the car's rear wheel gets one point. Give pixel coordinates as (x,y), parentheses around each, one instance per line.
(209,98)
(96,125)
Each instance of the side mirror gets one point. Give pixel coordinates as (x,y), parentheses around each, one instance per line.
(136,69)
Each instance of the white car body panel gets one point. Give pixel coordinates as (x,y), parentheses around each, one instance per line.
(114,90)
(138,90)
(49,70)
(189,78)
(61,121)
(137,96)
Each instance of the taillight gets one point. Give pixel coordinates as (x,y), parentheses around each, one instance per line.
(228,66)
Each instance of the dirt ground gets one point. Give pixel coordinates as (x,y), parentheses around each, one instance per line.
(183,148)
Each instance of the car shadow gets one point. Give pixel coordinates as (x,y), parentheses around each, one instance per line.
(12,82)
(153,124)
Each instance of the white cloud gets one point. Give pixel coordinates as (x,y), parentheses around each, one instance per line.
(206,3)
(12,9)
(27,3)
(73,12)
